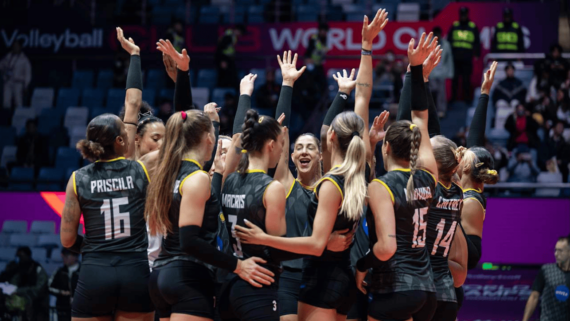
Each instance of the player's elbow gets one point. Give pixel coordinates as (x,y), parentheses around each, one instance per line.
(67,240)
(317,248)
(384,250)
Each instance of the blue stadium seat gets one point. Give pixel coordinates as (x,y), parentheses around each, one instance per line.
(239,17)
(255,18)
(390,6)
(260,80)
(209,14)
(11,226)
(245,2)
(42,227)
(7,254)
(308,8)
(255,10)
(92,97)
(219,93)
(155,79)
(115,99)
(22,179)
(207,78)
(105,79)
(8,135)
(48,121)
(67,97)
(354,8)
(50,175)
(166,93)
(82,79)
(96,111)
(307,17)
(334,13)
(354,17)
(149,96)
(67,157)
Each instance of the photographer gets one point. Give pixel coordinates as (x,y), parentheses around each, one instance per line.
(522,168)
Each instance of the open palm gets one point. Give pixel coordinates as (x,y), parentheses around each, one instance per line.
(377,132)
(289,67)
(346,83)
(129,45)
(182,59)
(432,61)
(488,78)
(418,55)
(370,31)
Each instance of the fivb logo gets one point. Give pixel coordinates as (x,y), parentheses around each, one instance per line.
(36,39)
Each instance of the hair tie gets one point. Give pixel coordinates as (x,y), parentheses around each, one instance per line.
(412,126)
(479,164)
(260,119)
(491,172)
(355,133)
(244,151)
(184,115)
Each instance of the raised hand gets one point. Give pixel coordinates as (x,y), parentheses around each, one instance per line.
(128,45)
(370,31)
(219,159)
(425,46)
(247,84)
(182,60)
(211,109)
(488,78)
(431,62)
(377,132)
(169,66)
(345,84)
(289,68)
(281,118)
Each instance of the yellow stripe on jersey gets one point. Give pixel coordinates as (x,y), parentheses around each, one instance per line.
(388,188)
(335,184)
(193,161)
(473,189)
(74,184)
(145,171)
(109,160)
(290,189)
(255,171)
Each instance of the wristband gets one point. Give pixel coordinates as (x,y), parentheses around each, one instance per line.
(365,52)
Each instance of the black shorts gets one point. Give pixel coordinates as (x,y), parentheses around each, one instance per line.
(460,296)
(400,306)
(288,292)
(111,282)
(359,310)
(446,311)
(183,287)
(241,301)
(328,285)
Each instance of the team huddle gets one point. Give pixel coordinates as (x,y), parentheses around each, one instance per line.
(232,233)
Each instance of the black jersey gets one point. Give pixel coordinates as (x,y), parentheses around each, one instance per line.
(298,200)
(342,221)
(361,243)
(242,198)
(111,197)
(171,250)
(444,215)
(409,269)
(476,195)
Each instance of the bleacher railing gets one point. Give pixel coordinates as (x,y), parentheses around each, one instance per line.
(508,56)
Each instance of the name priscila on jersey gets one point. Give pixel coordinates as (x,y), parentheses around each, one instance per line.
(449,204)
(233,201)
(112,184)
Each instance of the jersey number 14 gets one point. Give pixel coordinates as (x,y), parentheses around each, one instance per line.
(117,224)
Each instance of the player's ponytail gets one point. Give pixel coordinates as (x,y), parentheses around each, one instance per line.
(479,164)
(101,134)
(256,130)
(349,128)
(184,131)
(405,138)
(447,156)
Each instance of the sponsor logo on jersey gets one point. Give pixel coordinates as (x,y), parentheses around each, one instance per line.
(561,293)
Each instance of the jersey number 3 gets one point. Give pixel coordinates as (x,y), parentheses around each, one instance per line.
(419,227)
(117,224)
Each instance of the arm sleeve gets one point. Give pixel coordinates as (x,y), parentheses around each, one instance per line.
(209,163)
(473,251)
(418,91)
(365,262)
(192,244)
(244,104)
(405,104)
(337,106)
(76,247)
(284,104)
(134,75)
(217,185)
(479,123)
(538,284)
(182,91)
(434,128)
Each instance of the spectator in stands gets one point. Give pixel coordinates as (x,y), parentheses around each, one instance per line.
(316,53)
(552,283)
(546,108)
(268,94)
(500,154)
(465,44)
(557,66)
(176,35)
(508,35)
(32,147)
(563,105)
(557,147)
(522,168)
(389,71)
(63,282)
(17,74)
(509,89)
(440,74)
(225,57)
(523,129)
(31,298)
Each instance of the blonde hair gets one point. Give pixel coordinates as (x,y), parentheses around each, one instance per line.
(349,128)
(481,164)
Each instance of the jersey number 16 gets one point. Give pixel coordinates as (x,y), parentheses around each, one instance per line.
(117,224)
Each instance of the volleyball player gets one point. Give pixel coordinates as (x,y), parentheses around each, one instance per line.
(402,282)
(306,157)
